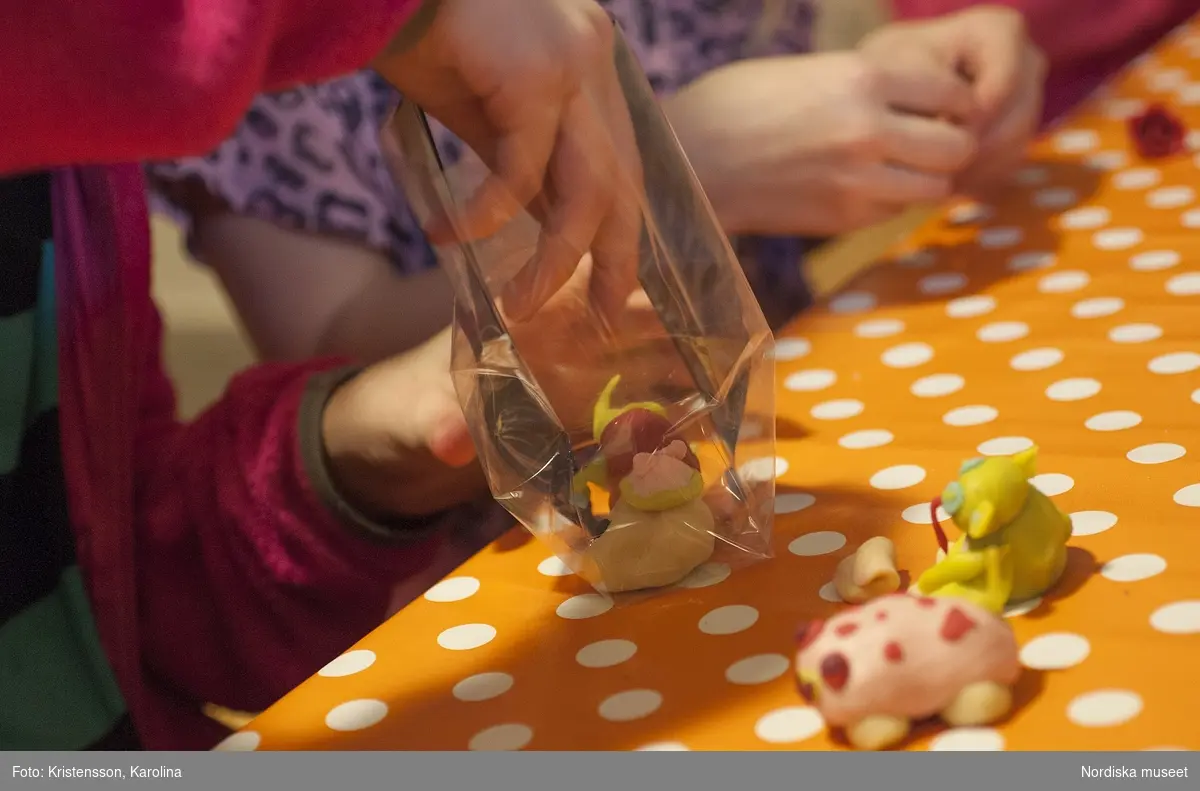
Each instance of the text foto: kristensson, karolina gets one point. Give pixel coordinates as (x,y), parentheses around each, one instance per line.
(1131,772)
(57,772)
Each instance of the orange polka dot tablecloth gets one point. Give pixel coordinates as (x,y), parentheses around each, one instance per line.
(1066,314)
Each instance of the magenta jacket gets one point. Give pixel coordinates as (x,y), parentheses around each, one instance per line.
(220,566)
(1086,41)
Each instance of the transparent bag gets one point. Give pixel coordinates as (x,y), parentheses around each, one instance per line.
(640,448)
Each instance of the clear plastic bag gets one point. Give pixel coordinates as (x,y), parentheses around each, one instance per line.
(639,448)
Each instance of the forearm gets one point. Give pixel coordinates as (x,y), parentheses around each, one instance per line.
(133,79)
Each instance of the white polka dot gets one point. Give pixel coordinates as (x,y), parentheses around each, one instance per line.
(1054,198)
(586,605)
(853,302)
(1104,708)
(1037,359)
(356,715)
(791,503)
(791,349)
(1002,331)
(1052,484)
(553,567)
(705,576)
(453,589)
(908,355)
(968,740)
(975,415)
(1004,446)
(1123,108)
(1117,420)
(1175,363)
(757,669)
(942,283)
(809,381)
(828,592)
(1017,609)
(1117,238)
(632,704)
(1196,396)
(900,476)
(1062,282)
(838,409)
(1030,176)
(1133,568)
(1136,179)
(482,686)
(967,213)
(937,385)
(919,514)
(1189,96)
(501,738)
(879,328)
(606,653)
(819,543)
(1156,453)
(1097,307)
(1154,260)
(242,742)
(1031,260)
(868,438)
(663,747)
(790,724)
(1072,389)
(1182,617)
(1090,523)
(1076,141)
(763,469)
(1086,218)
(994,238)
(916,259)
(467,636)
(1170,197)
(1191,218)
(730,619)
(1185,285)
(1167,80)
(1055,651)
(1106,160)
(1135,333)
(348,664)
(970,307)
(1189,496)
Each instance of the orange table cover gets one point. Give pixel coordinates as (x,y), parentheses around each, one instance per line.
(1066,314)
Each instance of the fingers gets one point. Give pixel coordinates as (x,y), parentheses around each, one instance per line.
(993,57)
(928,88)
(925,144)
(890,185)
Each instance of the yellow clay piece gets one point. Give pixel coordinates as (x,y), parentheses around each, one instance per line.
(1014,543)
(663,500)
(603,414)
(592,473)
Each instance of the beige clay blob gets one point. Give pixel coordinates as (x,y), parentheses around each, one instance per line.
(650,549)
(869,573)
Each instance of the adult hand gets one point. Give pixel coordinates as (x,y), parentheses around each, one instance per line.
(822,144)
(989,48)
(532,87)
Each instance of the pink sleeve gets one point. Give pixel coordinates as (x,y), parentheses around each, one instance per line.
(248,581)
(1086,42)
(127,80)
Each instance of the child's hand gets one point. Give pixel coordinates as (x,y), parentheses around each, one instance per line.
(396,440)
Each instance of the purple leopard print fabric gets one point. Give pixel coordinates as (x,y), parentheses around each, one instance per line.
(309,158)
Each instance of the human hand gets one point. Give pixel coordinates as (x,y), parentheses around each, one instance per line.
(822,144)
(532,87)
(988,47)
(396,439)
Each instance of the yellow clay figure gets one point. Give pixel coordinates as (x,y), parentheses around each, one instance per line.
(603,413)
(1014,543)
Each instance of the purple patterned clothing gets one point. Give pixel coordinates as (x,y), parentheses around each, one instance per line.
(309,158)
